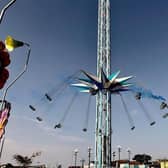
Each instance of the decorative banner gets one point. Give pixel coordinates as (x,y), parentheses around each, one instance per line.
(4,115)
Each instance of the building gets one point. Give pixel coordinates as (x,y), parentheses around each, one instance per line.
(163,163)
(12,166)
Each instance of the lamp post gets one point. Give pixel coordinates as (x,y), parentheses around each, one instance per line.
(114,154)
(113,161)
(82,161)
(119,151)
(89,156)
(11,44)
(75,154)
(129,154)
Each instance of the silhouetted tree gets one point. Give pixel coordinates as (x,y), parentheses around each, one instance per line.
(9,165)
(59,166)
(142,158)
(25,160)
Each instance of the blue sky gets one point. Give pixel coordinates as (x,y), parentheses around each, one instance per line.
(63,35)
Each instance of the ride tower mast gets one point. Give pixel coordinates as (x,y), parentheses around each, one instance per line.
(103,98)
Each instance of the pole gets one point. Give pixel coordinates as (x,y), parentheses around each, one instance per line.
(119,151)
(89,156)
(83,161)
(13,82)
(76,153)
(75,158)
(2,145)
(129,156)
(103,98)
(5,8)
(17,77)
(114,154)
(113,162)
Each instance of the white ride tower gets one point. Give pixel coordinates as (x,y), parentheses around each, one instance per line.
(103,99)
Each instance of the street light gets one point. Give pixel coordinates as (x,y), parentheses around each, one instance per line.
(113,157)
(119,151)
(11,44)
(129,154)
(83,162)
(114,154)
(76,153)
(89,156)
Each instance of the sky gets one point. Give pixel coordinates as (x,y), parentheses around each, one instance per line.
(63,39)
